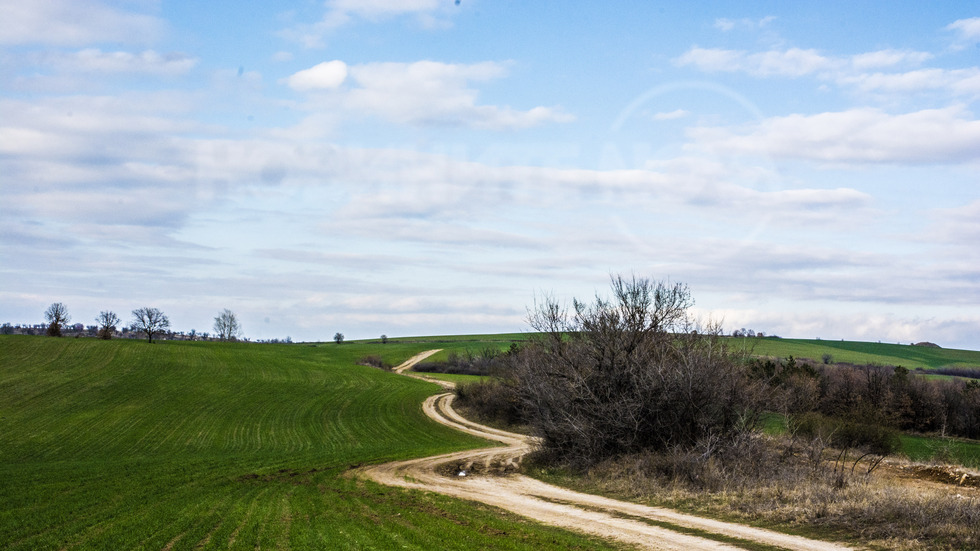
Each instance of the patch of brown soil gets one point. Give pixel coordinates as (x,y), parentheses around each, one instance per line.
(945,478)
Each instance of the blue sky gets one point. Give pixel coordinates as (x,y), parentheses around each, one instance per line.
(417,167)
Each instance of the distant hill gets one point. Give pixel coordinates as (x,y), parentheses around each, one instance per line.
(911,356)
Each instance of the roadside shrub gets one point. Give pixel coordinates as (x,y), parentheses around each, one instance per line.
(870,438)
(965,372)
(494,401)
(483,363)
(630,374)
(374,360)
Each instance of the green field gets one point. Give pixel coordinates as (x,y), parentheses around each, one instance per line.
(856,352)
(477,341)
(954,450)
(860,352)
(186,445)
(181,445)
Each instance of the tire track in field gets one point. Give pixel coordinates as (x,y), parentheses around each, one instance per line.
(640,525)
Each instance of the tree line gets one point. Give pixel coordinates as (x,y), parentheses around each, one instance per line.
(879,395)
(148,321)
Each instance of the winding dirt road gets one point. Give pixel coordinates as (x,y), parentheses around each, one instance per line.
(489,476)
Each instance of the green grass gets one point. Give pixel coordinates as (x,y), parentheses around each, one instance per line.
(856,352)
(479,340)
(120,445)
(861,352)
(956,450)
(456,378)
(917,448)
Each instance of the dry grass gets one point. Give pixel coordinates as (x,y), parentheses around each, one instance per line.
(799,488)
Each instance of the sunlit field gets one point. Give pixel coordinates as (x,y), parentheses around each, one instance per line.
(182,445)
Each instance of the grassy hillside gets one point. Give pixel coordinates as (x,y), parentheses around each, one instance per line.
(855,352)
(862,352)
(121,444)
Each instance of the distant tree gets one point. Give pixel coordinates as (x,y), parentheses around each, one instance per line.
(226,325)
(338,338)
(149,321)
(6,329)
(57,316)
(107,320)
(384,339)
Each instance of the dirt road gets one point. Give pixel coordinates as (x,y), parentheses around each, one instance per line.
(489,476)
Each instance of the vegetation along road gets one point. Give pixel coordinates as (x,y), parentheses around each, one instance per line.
(488,476)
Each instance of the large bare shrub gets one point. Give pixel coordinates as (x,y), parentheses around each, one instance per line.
(630,373)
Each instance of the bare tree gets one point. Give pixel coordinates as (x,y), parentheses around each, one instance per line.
(107,320)
(57,316)
(338,337)
(632,373)
(384,339)
(149,321)
(226,325)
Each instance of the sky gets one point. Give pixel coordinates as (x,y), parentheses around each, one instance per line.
(428,167)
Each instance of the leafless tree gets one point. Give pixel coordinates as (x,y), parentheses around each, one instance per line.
(338,338)
(226,325)
(631,373)
(107,320)
(57,316)
(149,321)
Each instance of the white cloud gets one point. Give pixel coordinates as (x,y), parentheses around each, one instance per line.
(372,9)
(888,58)
(725,24)
(851,71)
(72,23)
(793,62)
(325,76)
(967,29)
(958,82)
(958,226)
(428,13)
(949,135)
(94,60)
(423,93)
(671,115)
(712,59)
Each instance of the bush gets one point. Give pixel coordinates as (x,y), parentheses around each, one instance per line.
(842,434)
(374,361)
(631,374)
(484,363)
(492,401)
